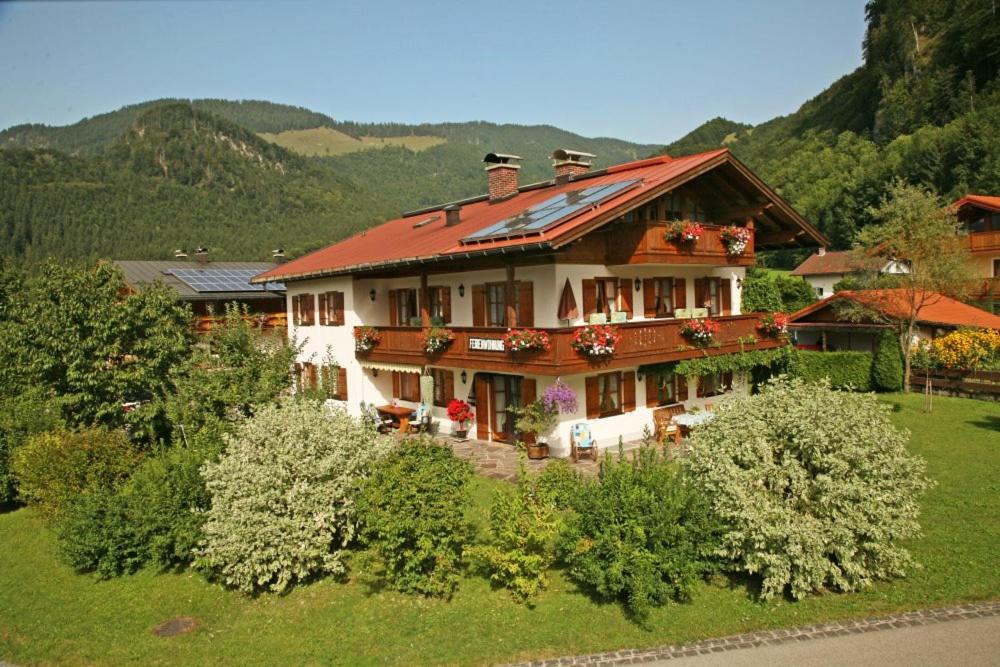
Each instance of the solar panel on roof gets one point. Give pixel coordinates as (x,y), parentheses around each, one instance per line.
(223,280)
(550,212)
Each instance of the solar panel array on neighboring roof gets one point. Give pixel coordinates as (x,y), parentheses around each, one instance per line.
(223,280)
(550,212)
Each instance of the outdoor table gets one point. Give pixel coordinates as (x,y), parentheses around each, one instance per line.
(398,413)
(689,420)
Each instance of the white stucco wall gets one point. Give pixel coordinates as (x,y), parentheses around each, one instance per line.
(826,282)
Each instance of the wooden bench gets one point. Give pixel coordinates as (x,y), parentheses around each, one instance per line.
(663,422)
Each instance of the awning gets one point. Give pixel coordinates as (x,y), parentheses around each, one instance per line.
(389,366)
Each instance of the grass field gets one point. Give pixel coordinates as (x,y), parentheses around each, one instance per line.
(49,615)
(321,141)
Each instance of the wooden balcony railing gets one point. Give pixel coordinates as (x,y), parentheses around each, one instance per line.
(636,244)
(267,321)
(981,241)
(643,342)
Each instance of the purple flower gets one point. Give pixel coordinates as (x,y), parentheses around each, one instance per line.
(558,397)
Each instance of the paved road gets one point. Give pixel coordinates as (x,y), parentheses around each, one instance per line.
(972,642)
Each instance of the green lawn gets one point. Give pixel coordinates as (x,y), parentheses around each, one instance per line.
(48,614)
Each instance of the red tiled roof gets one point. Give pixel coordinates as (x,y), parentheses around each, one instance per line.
(938,309)
(405,240)
(988,202)
(828,263)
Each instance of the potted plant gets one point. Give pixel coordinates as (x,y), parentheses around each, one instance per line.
(736,239)
(684,232)
(526,340)
(461,415)
(595,340)
(436,339)
(700,332)
(536,419)
(365,338)
(773,324)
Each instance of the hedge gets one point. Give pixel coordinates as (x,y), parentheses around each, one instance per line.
(844,369)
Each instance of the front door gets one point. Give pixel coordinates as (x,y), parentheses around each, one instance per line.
(495,396)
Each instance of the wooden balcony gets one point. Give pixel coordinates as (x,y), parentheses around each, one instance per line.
(266,321)
(643,342)
(984,241)
(647,243)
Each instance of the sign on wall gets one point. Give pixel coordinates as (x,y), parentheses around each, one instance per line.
(486,344)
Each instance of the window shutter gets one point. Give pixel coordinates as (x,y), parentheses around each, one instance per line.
(449,386)
(342,383)
(682,388)
(298,372)
(628,391)
(295,310)
(396,389)
(529,391)
(589,297)
(652,397)
(525,304)
(324,306)
(310,375)
(727,379)
(680,293)
(483,400)
(393,310)
(479,305)
(726,296)
(446,304)
(699,292)
(700,388)
(593,398)
(625,296)
(649,297)
(310,309)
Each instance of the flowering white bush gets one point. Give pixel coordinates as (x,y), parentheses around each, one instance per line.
(281,493)
(815,487)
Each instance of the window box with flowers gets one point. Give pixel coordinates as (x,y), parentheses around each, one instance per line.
(773,324)
(684,232)
(366,338)
(461,415)
(736,239)
(526,340)
(701,332)
(436,339)
(595,340)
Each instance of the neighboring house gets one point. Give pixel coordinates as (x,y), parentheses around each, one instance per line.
(586,246)
(981,216)
(821,326)
(825,269)
(209,286)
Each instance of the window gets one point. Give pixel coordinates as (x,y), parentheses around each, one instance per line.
(439,304)
(444,386)
(819,292)
(996,268)
(496,305)
(303,309)
(609,392)
(664,289)
(713,385)
(331,309)
(666,388)
(406,386)
(406,306)
(713,303)
(679,207)
(714,295)
(334,382)
(607,295)
(489,304)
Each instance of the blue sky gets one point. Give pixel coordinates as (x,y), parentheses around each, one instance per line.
(646,71)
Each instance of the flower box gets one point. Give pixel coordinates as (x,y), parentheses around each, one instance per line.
(686,233)
(526,340)
(736,239)
(366,338)
(701,332)
(436,339)
(774,324)
(595,340)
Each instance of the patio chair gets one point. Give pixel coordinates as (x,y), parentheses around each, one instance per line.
(597,318)
(619,316)
(665,426)
(699,313)
(682,313)
(420,422)
(582,443)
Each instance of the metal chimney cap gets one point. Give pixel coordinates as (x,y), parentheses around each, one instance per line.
(501,158)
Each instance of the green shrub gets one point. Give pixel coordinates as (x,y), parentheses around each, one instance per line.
(281,495)
(842,369)
(22,416)
(558,484)
(414,511)
(815,487)
(520,550)
(759,293)
(53,468)
(887,367)
(96,533)
(639,535)
(795,293)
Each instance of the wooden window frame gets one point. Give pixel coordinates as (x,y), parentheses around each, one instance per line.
(304,309)
(605,393)
(720,380)
(672,383)
(658,284)
(492,290)
(331,309)
(401,385)
(444,382)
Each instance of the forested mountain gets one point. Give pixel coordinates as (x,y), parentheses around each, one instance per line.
(924,107)
(137,182)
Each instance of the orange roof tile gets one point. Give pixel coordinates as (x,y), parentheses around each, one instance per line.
(938,310)
(988,202)
(829,263)
(406,240)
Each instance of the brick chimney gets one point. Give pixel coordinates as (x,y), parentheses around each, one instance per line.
(501,175)
(201,255)
(452,215)
(569,163)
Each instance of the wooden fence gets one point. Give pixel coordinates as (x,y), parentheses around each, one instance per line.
(972,384)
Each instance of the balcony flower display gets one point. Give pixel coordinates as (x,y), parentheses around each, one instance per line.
(365,338)
(436,339)
(701,332)
(595,340)
(461,415)
(735,239)
(526,340)
(687,232)
(774,324)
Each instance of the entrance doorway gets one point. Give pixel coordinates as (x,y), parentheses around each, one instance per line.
(496,394)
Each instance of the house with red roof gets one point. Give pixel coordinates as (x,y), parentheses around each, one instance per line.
(825,326)
(981,216)
(824,269)
(593,276)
